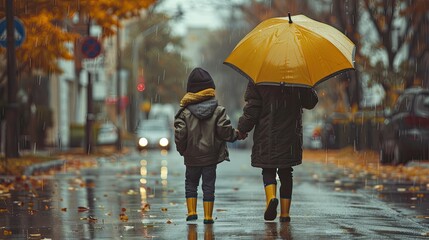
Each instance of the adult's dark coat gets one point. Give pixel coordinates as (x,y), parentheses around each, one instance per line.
(276,114)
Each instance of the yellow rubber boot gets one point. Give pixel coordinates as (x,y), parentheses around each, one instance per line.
(284,209)
(191,203)
(271,201)
(208,212)
(192,232)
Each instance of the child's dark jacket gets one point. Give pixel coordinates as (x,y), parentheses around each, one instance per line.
(201,132)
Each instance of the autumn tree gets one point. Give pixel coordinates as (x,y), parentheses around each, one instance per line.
(230,85)
(160,62)
(47,23)
(402,33)
(345,16)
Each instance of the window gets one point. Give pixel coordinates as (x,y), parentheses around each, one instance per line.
(404,104)
(422,103)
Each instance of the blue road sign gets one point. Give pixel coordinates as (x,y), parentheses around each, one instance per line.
(19,32)
(91,47)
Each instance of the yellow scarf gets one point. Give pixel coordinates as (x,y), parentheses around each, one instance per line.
(200,96)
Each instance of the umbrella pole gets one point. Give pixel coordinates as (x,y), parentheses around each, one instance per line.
(290,19)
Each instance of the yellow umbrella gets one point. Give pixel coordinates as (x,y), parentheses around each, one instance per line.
(301,52)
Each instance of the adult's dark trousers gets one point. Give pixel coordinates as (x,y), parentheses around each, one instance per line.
(285,175)
(208,175)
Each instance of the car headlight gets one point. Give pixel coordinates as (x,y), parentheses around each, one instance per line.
(163,142)
(143,142)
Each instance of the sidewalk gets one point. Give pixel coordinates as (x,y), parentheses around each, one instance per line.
(366,162)
(50,161)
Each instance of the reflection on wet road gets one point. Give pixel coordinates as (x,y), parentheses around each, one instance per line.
(142,196)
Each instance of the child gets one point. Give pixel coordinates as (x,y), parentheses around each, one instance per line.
(202,128)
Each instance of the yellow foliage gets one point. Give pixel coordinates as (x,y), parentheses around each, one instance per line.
(46,20)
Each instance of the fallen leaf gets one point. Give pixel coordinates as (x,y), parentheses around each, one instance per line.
(7,232)
(221,210)
(32,211)
(169,221)
(92,219)
(128,227)
(164,209)
(123,217)
(64,209)
(132,192)
(146,207)
(82,209)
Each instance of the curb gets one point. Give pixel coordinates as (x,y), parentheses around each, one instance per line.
(29,171)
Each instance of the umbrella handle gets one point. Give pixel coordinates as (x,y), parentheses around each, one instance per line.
(290,19)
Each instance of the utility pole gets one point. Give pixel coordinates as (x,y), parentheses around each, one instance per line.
(118,89)
(12,130)
(89,107)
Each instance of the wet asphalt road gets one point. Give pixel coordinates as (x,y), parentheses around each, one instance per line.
(141,196)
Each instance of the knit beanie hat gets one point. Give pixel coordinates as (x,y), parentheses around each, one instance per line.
(198,80)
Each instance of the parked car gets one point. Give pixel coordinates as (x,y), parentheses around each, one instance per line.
(152,134)
(405,132)
(107,134)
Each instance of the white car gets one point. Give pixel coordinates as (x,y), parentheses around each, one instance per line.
(107,134)
(152,134)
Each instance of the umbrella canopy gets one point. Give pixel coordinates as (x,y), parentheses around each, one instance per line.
(292,51)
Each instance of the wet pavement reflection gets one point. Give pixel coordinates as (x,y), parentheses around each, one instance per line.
(142,196)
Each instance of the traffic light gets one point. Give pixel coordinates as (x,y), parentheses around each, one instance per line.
(141,86)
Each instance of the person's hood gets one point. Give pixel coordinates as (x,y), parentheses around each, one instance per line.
(203,110)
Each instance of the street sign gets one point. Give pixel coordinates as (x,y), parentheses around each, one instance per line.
(91,47)
(19,32)
(92,65)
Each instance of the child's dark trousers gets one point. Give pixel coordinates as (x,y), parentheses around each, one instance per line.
(193,175)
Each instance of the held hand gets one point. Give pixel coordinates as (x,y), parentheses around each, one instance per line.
(240,135)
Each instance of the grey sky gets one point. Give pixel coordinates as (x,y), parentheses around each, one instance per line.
(197,13)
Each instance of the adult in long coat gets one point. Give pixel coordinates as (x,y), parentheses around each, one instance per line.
(275,113)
